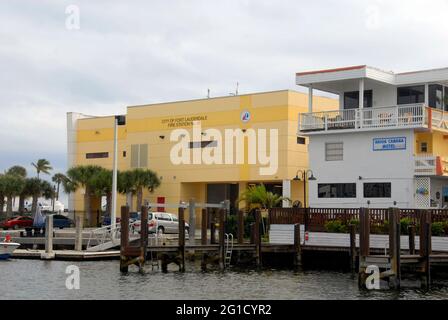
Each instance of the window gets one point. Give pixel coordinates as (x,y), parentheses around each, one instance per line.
(351,99)
(97,155)
(445,90)
(377,190)
(124,154)
(409,95)
(203,144)
(337,190)
(436,96)
(424,147)
(139,155)
(301,140)
(334,151)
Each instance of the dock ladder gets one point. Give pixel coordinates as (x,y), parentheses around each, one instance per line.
(229,249)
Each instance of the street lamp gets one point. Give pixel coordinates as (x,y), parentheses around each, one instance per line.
(304,176)
(119,121)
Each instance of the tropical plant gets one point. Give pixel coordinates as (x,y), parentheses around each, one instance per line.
(335,226)
(21,172)
(259,196)
(82,177)
(58,178)
(437,229)
(102,186)
(143,179)
(2,195)
(13,185)
(42,165)
(126,186)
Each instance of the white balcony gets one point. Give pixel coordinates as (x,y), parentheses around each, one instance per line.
(367,119)
(430,165)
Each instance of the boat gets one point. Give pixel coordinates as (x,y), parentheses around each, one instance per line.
(7,248)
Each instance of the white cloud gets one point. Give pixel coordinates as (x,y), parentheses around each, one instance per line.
(149,51)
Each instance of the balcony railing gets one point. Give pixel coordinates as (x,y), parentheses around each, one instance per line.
(403,116)
(430,165)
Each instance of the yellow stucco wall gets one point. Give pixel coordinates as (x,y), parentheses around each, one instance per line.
(146,124)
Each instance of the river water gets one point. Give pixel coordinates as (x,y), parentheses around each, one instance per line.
(35,279)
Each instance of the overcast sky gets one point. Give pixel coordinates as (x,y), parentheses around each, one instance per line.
(136,52)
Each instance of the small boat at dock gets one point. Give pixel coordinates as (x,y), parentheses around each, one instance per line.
(7,248)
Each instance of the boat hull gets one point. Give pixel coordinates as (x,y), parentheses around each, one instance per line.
(6,249)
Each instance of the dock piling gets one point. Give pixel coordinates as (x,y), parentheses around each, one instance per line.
(257,237)
(124,238)
(411,232)
(204,224)
(297,247)
(394,247)
(221,214)
(78,236)
(181,239)
(364,245)
(48,254)
(240,227)
(425,246)
(352,228)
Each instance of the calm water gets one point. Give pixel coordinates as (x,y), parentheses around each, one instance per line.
(30,279)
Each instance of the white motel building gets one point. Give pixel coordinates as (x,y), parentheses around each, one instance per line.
(387,145)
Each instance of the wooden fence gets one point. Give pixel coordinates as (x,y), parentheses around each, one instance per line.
(315,218)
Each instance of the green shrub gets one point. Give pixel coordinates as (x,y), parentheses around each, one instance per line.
(437,229)
(404,225)
(335,226)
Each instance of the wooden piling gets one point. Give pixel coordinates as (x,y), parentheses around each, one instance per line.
(352,247)
(212,221)
(240,227)
(181,239)
(364,245)
(411,232)
(394,247)
(221,214)
(257,238)
(124,238)
(78,235)
(204,224)
(143,237)
(425,246)
(297,247)
(48,254)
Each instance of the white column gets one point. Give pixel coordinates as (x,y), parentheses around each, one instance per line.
(113,212)
(361,93)
(427,95)
(286,193)
(310,98)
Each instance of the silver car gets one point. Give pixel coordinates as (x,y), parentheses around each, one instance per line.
(161,222)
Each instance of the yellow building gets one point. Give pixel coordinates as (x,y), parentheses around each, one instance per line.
(146,141)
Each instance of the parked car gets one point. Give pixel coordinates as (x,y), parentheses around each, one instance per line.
(61,222)
(17,223)
(106,221)
(162,222)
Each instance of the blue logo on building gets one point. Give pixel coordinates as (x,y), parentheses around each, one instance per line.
(389,144)
(245,116)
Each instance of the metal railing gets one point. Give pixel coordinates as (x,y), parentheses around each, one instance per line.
(106,234)
(413,115)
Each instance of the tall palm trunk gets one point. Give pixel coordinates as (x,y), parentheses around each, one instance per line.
(139,198)
(57,192)
(129,200)
(9,207)
(2,204)
(34,203)
(87,206)
(21,204)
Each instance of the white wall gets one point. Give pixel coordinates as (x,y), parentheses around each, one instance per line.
(396,167)
(437,185)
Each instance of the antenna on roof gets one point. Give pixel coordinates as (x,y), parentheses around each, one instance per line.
(208,93)
(237,87)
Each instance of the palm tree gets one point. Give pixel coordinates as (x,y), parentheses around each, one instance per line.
(102,184)
(58,178)
(21,172)
(33,188)
(14,185)
(259,196)
(2,194)
(42,165)
(82,177)
(144,179)
(126,186)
